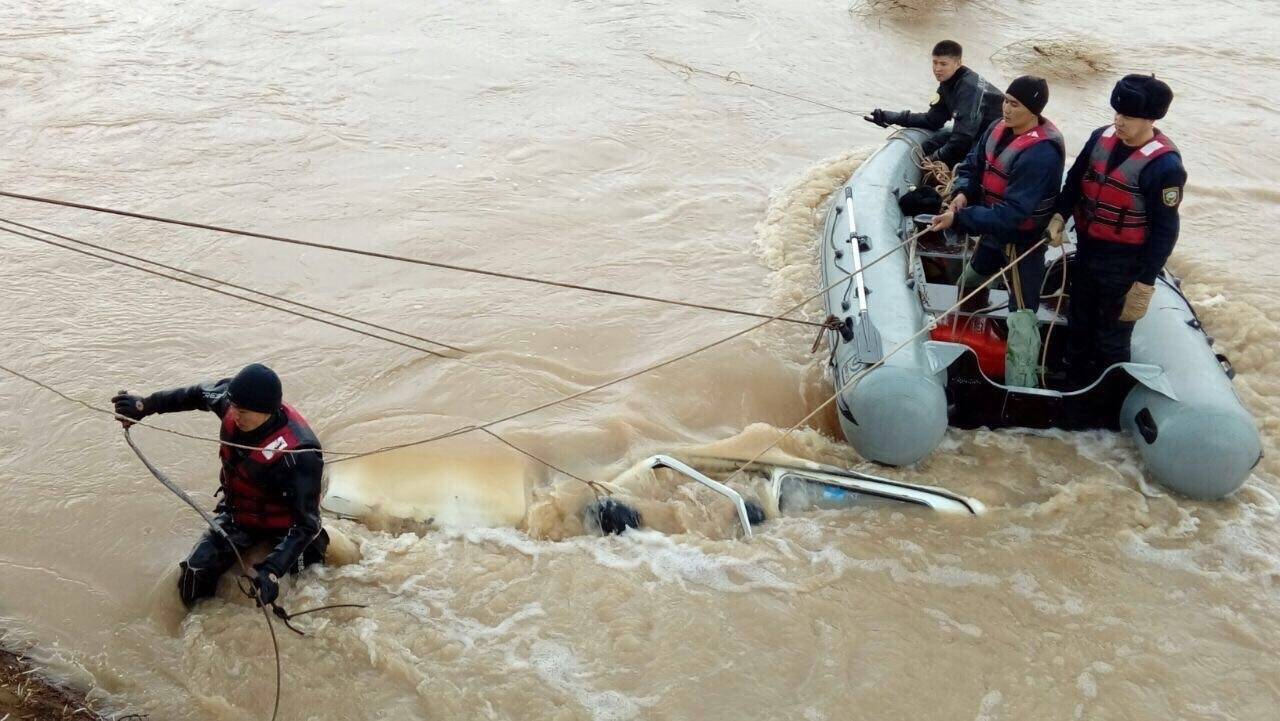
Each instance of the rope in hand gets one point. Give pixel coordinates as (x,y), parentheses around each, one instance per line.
(389,256)
(144,424)
(252,591)
(686,71)
(257,595)
(862,373)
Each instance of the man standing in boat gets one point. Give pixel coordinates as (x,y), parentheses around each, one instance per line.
(1005,192)
(1124,190)
(271,494)
(963,96)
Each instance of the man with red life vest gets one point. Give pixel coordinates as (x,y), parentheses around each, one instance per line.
(963,97)
(1005,192)
(1124,190)
(271,494)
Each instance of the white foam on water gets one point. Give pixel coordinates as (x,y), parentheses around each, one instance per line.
(507,538)
(949,623)
(839,563)
(673,561)
(987,708)
(784,239)
(1087,685)
(1025,585)
(558,666)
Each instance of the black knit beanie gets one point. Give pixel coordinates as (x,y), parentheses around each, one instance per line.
(1031,91)
(256,388)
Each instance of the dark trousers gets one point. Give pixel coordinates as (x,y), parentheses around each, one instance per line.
(212,556)
(1096,337)
(991,257)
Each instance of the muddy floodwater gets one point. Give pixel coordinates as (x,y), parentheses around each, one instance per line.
(537,138)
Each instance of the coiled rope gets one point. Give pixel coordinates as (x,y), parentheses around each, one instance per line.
(941,172)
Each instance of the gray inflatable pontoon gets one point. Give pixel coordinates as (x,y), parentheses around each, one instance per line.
(1175,397)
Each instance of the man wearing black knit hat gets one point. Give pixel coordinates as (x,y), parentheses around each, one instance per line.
(1124,190)
(1005,192)
(271,488)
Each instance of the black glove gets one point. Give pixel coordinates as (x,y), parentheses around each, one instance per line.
(877,116)
(267,586)
(130,406)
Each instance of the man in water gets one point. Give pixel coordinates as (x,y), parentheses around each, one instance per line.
(1124,190)
(1006,192)
(270,494)
(963,96)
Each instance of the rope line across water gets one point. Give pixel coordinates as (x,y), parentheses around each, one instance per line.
(229,284)
(686,71)
(676,359)
(388,256)
(184,281)
(351,455)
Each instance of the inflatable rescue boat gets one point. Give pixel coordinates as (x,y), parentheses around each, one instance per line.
(1175,398)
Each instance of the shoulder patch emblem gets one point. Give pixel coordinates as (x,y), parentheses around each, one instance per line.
(1172,196)
(936,99)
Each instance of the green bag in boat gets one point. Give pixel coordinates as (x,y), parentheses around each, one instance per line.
(1022,356)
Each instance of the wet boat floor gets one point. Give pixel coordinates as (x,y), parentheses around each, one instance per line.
(974,400)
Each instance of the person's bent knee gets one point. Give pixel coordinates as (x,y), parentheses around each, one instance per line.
(195,583)
(315,552)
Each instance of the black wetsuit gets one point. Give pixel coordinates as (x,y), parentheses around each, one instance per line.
(967,99)
(291,487)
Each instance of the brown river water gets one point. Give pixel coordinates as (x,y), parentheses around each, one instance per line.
(536,137)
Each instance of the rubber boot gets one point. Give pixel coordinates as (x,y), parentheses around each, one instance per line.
(970,279)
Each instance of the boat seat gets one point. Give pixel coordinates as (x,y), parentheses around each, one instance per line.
(941,296)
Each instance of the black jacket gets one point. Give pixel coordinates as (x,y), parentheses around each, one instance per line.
(969,100)
(298,478)
(1033,183)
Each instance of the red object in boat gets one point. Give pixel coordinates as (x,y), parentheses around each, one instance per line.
(979,334)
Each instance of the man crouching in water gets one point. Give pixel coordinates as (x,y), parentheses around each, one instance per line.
(269,494)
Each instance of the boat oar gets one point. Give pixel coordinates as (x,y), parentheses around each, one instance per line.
(867,345)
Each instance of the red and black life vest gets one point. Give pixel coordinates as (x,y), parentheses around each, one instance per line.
(1111,206)
(253,493)
(995,178)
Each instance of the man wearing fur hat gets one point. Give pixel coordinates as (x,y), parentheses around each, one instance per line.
(271,478)
(1124,190)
